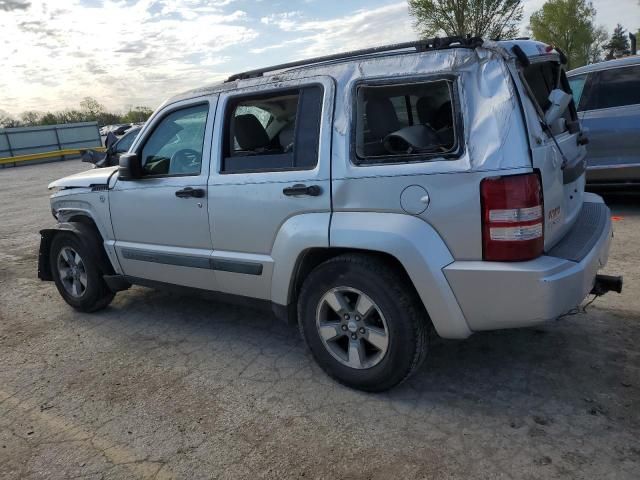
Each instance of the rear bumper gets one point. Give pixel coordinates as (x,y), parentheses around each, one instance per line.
(494,295)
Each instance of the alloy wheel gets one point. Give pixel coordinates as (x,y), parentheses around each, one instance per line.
(352,328)
(72,272)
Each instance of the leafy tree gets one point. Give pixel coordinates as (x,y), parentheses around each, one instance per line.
(481,18)
(569,25)
(108,118)
(49,119)
(619,43)
(137,115)
(595,50)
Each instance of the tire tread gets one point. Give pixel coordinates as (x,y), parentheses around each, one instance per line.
(407,299)
(101,296)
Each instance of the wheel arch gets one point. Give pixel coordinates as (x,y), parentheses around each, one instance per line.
(86,231)
(311,258)
(404,240)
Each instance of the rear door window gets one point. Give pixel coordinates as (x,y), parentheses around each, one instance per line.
(273,131)
(617,87)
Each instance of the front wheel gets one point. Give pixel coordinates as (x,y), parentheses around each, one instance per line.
(76,274)
(362,322)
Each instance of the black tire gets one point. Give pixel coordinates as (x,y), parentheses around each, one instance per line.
(96,294)
(406,319)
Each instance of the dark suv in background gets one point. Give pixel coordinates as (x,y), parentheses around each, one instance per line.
(607,95)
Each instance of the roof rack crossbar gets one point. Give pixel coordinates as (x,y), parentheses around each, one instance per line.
(436,43)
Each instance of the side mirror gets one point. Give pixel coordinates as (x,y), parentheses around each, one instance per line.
(559,100)
(130,167)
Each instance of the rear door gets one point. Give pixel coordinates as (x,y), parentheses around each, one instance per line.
(558,155)
(610,114)
(272,151)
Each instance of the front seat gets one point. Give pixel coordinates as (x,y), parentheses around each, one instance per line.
(443,123)
(249,133)
(287,135)
(444,116)
(426,111)
(382,120)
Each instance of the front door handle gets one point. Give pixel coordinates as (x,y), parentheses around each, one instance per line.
(301,189)
(190,192)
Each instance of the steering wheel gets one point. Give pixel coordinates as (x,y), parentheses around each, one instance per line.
(185,160)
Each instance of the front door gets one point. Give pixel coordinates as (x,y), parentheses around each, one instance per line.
(272,164)
(160,221)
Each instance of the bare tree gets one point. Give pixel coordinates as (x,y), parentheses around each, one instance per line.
(92,108)
(31,118)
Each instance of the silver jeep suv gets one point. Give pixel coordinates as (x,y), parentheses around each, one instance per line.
(364,196)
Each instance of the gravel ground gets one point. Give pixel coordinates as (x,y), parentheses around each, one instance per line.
(166,386)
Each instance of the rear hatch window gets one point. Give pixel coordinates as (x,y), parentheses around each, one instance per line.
(542,78)
(559,156)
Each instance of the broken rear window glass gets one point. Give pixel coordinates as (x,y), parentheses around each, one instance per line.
(414,120)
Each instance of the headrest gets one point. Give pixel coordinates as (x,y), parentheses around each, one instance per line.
(382,118)
(287,134)
(426,110)
(249,132)
(444,117)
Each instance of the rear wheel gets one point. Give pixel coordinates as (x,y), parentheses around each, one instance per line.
(76,275)
(362,322)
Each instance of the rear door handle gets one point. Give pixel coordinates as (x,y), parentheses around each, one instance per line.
(301,189)
(190,192)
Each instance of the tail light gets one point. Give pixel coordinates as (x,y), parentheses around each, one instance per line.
(512,218)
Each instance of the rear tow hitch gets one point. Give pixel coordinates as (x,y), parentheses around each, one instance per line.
(607,283)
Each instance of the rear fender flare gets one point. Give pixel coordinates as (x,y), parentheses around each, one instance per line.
(420,250)
(297,234)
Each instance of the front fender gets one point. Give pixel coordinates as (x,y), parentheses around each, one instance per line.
(421,251)
(83,202)
(85,234)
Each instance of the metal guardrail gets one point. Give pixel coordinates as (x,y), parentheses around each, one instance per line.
(17,145)
(44,155)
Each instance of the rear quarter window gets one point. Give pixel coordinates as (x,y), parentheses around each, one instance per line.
(401,122)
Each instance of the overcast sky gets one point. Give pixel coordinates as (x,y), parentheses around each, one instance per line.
(139,52)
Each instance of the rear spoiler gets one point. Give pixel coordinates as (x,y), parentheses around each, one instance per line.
(525,60)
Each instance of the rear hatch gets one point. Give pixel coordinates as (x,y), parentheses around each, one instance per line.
(556,150)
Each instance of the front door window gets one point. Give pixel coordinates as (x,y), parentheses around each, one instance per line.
(175,146)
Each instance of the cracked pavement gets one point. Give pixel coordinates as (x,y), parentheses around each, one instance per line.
(166,386)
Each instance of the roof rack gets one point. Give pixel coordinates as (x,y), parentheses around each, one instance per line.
(436,43)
